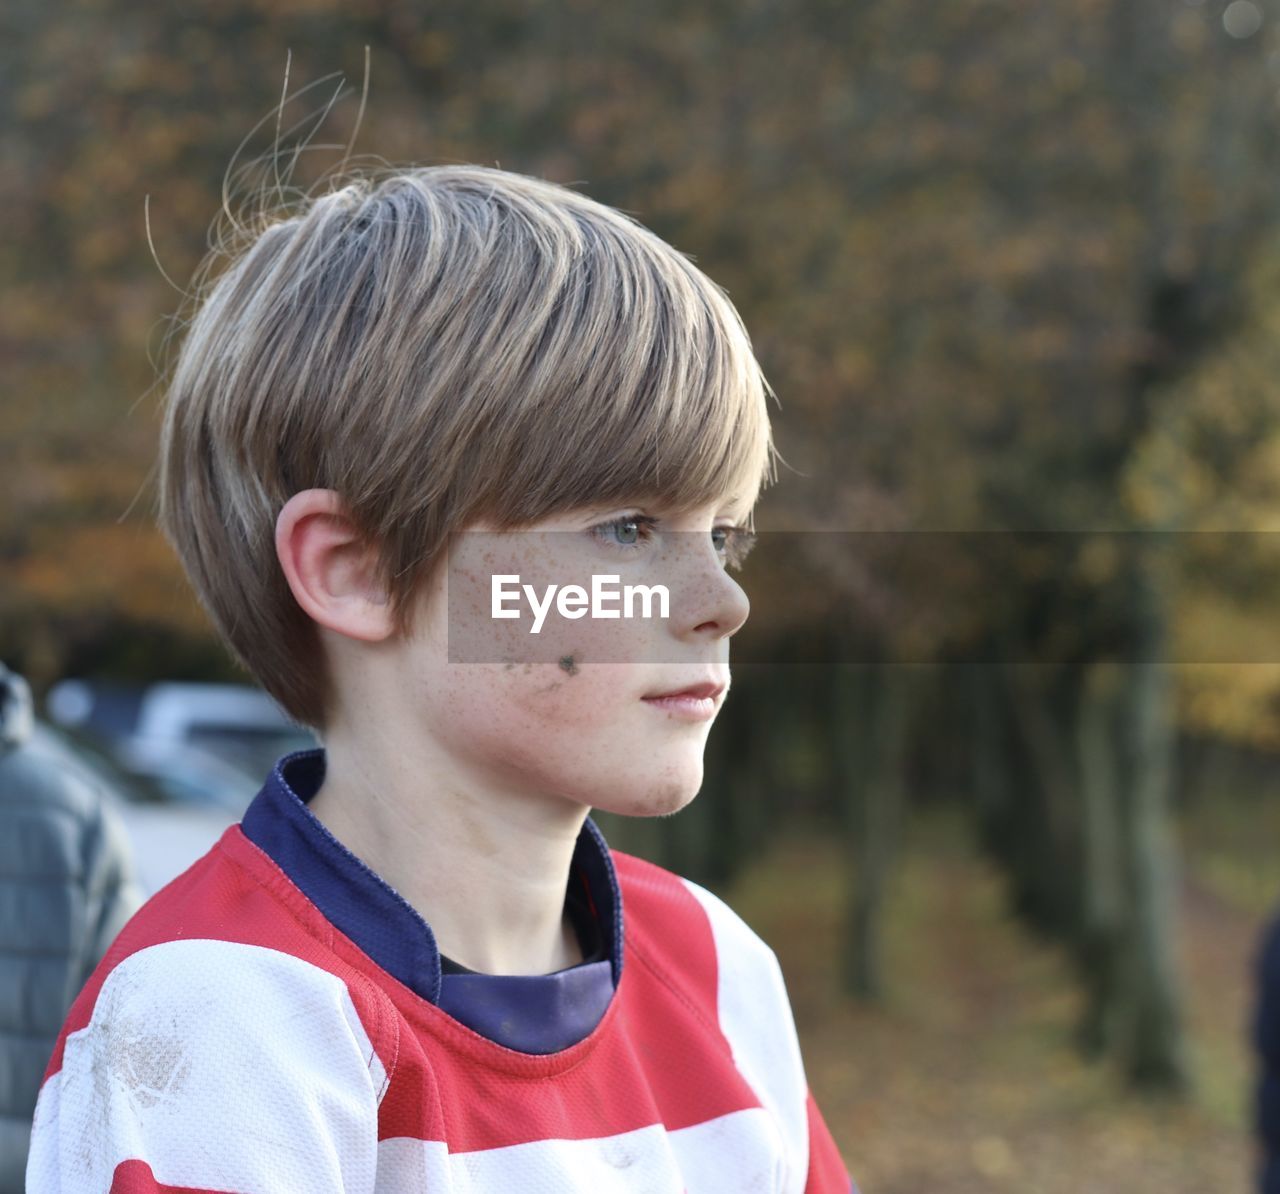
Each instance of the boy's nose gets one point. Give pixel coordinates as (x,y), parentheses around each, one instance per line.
(705,598)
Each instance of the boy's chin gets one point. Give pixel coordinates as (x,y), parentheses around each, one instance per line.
(659,797)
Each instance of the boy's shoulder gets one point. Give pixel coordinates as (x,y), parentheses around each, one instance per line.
(686,936)
(232,894)
(220,992)
(665,909)
(212,942)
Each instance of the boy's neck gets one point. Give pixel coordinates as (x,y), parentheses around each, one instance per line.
(487,870)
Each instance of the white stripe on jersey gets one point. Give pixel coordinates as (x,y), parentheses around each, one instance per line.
(731,1152)
(189,1046)
(756,1018)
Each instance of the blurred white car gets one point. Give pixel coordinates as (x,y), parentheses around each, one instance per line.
(203,743)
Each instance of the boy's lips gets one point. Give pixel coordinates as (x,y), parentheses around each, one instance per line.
(707,690)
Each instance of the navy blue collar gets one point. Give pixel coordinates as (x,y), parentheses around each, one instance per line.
(541,1013)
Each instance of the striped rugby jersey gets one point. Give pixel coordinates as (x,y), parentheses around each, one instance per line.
(279,1020)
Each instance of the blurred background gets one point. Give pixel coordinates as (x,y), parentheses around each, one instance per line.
(1013,272)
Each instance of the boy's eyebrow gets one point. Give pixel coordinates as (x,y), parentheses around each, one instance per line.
(735,508)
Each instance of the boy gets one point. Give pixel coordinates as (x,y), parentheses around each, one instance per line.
(416,964)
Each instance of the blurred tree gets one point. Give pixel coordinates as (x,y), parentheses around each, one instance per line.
(1001,264)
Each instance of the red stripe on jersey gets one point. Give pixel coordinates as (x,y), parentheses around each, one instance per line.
(657,902)
(656,1071)
(135,1177)
(827,1172)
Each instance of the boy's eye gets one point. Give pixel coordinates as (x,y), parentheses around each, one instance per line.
(732,543)
(629,531)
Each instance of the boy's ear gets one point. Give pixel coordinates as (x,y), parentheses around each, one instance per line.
(330,568)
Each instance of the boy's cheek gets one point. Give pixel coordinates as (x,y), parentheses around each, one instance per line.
(571,693)
(585,735)
(532,698)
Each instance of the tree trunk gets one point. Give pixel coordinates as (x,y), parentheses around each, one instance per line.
(1102,938)
(1155,1051)
(1045,840)
(872,714)
(989,761)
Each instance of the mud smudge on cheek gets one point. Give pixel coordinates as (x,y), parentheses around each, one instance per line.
(567,664)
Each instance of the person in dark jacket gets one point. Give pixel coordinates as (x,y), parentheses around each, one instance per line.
(1266,1040)
(66,890)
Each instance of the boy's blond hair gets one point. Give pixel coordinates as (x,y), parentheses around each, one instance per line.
(440,345)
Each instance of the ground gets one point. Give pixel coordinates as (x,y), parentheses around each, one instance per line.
(965,1078)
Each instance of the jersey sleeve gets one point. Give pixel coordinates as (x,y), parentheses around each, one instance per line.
(203,1065)
(756,1019)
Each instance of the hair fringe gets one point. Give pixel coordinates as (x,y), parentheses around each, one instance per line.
(538,348)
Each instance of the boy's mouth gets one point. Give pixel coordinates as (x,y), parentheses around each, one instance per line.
(704,691)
